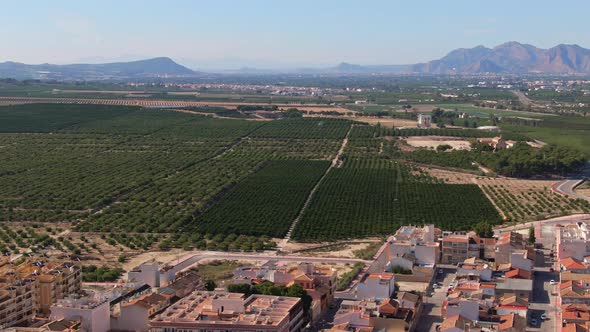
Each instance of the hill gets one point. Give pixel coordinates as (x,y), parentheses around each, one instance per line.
(156,67)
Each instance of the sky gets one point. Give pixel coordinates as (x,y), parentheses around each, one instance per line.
(223,34)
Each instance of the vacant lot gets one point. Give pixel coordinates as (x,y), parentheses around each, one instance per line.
(432,142)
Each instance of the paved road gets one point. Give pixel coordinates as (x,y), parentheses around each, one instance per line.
(567,187)
(431,312)
(543,300)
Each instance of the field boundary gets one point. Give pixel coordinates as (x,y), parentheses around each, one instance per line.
(335,163)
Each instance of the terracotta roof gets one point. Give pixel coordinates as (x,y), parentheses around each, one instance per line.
(571,263)
(506,322)
(518,274)
(575,312)
(389,307)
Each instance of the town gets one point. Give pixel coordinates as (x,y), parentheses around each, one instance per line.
(420,279)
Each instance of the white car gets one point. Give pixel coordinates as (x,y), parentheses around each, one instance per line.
(552,282)
(544,317)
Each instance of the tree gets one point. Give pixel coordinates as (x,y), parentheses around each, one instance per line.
(532,238)
(239,288)
(484,229)
(210,285)
(443,147)
(122,259)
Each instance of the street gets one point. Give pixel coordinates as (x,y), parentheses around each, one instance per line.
(433,299)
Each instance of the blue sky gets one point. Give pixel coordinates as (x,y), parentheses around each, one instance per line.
(277,33)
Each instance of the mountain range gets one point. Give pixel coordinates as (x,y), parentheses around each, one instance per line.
(507,58)
(511,57)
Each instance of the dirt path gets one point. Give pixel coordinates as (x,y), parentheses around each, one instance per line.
(335,163)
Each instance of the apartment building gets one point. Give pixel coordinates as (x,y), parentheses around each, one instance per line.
(31,287)
(93,312)
(507,243)
(417,243)
(319,282)
(459,246)
(222,311)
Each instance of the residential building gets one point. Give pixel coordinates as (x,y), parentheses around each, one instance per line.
(507,243)
(459,246)
(574,265)
(222,311)
(30,288)
(135,314)
(152,274)
(575,292)
(417,243)
(522,288)
(319,282)
(93,312)
(573,240)
(392,315)
(376,286)
(474,269)
(575,313)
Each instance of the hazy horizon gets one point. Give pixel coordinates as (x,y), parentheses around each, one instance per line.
(267,35)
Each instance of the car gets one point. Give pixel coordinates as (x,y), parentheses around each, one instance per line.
(436,286)
(552,282)
(544,317)
(534,322)
(440,271)
(551,269)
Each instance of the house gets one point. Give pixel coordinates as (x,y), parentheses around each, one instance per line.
(510,303)
(575,292)
(574,265)
(376,286)
(496,143)
(575,313)
(456,323)
(522,288)
(474,269)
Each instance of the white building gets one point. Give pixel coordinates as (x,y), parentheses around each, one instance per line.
(378,286)
(573,240)
(93,312)
(151,274)
(419,242)
(424,120)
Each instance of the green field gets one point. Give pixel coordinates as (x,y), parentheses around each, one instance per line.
(265,203)
(375,197)
(571,131)
(131,170)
